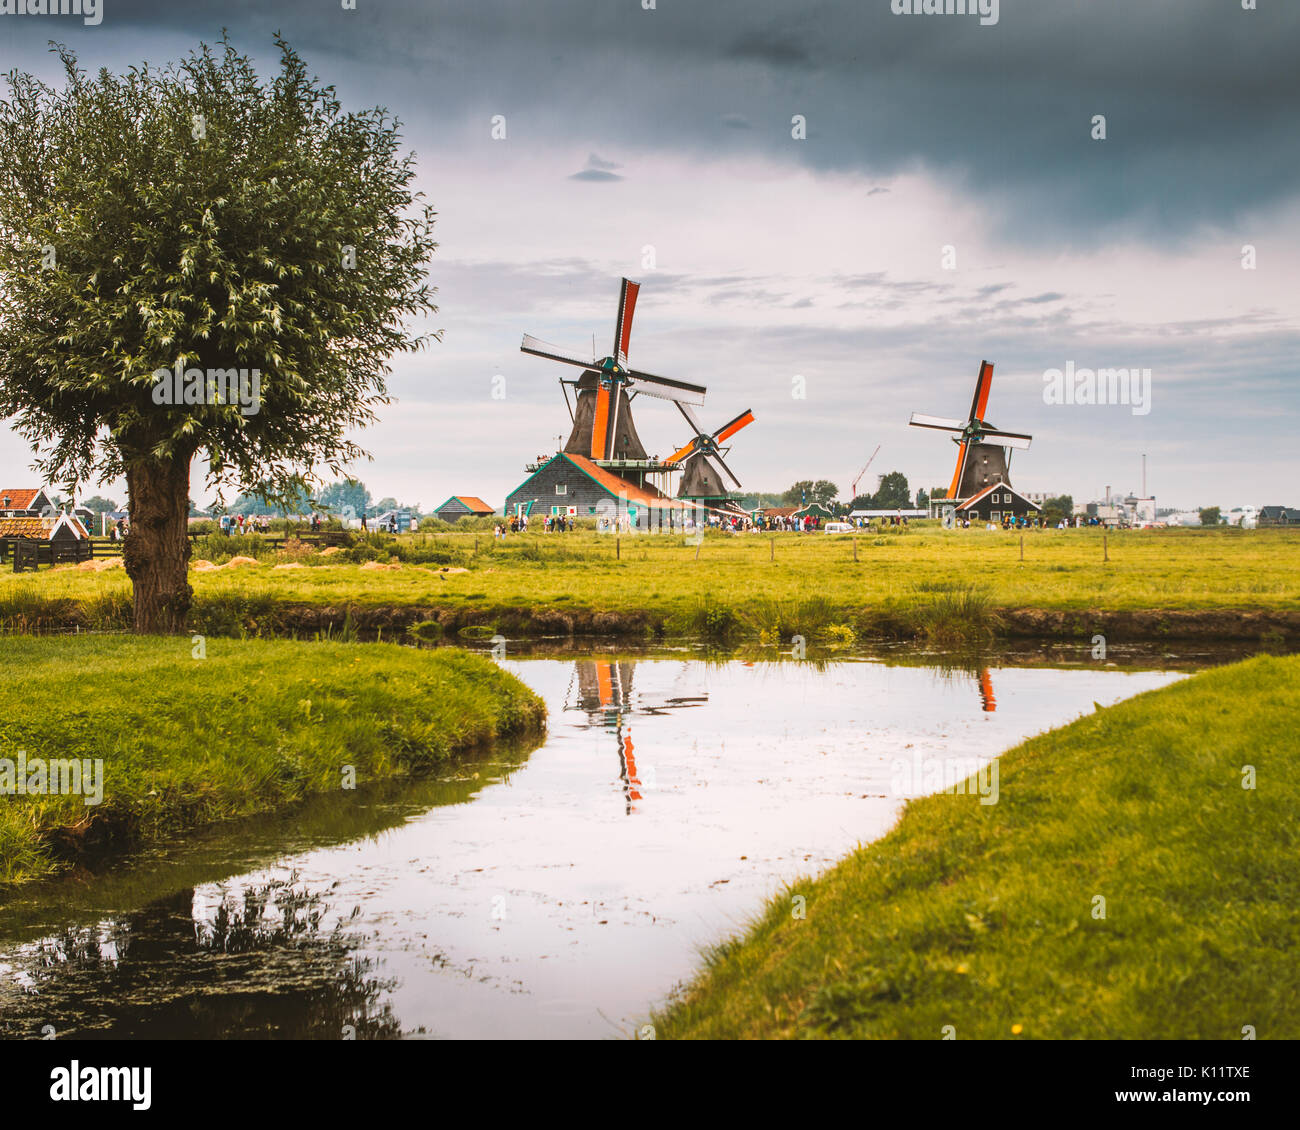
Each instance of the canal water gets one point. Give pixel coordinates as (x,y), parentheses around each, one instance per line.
(558,891)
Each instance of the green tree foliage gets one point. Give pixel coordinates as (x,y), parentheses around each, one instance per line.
(348,499)
(1054,509)
(196,215)
(97,505)
(1210,516)
(807,491)
(892,493)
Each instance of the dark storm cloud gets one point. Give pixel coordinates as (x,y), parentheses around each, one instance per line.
(1200,96)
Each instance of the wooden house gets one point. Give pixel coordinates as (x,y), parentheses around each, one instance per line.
(1278,516)
(996,502)
(576,486)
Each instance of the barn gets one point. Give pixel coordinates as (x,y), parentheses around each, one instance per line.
(995,503)
(463,506)
(572,484)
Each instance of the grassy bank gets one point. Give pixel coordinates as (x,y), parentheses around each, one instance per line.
(930,583)
(985,917)
(252,727)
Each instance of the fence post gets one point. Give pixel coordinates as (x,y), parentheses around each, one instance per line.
(1105,550)
(1022,547)
(618,550)
(772,549)
(855,549)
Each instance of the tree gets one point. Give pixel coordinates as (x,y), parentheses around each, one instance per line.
(348,498)
(97,505)
(806,492)
(892,493)
(1054,509)
(1210,516)
(197,219)
(922,499)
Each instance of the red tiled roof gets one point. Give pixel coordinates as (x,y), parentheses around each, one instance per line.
(475,504)
(617,487)
(37,527)
(18,499)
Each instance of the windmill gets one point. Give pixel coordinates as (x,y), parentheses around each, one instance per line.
(700,478)
(979,463)
(602,420)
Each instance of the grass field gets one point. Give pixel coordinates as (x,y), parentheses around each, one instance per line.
(250,728)
(983,921)
(750,582)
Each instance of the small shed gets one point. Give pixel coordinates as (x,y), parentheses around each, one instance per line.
(463,506)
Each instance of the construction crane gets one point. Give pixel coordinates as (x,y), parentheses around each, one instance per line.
(863,472)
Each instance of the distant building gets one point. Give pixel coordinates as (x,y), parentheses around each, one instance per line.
(1278,516)
(1141,511)
(401,519)
(868,515)
(460,506)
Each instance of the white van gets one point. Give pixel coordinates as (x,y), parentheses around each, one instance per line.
(838,528)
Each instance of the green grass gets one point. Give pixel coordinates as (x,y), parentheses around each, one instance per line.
(924,582)
(253,727)
(982,917)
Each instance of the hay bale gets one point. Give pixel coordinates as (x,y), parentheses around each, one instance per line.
(374,565)
(239,562)
(290,565)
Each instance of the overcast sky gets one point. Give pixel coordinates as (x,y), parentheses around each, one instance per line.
(658,144)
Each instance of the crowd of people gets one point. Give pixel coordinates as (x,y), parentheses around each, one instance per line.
(232,524)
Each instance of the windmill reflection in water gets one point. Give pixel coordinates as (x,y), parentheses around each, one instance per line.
(602,689)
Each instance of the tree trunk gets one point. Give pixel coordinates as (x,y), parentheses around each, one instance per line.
(157,548)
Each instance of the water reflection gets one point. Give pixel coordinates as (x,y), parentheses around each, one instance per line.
(603,690)
(256,961)
(986,691)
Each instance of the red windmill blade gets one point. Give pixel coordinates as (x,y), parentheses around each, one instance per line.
(623,326)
